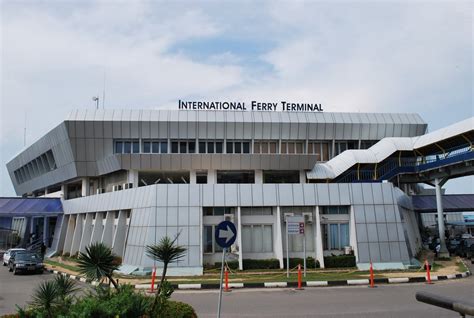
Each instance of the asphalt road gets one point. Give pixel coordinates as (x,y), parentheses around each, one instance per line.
(357,301)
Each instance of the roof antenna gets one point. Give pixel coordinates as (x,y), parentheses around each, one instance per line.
(96,100)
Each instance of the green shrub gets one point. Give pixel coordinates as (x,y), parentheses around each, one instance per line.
(176,309)
(261,263)
(339,261)
(310,262)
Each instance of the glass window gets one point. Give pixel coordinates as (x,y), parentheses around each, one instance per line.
(208,239)
(201,177)
(237,147)
(273,147)
(235,176)
(325,152)
(257,238)
(281,176)
(183,147)
(291,147)
(246,147)
(118,147)
(335,236)
(164,147)
(192,147)
(283,147)
(210,147)
(264,147)
(174,147)
(127,147)
(202,147)
(136,147)
(218,146)
(155,147)
(146,147)
(256,147)
(299,147)
(229,147)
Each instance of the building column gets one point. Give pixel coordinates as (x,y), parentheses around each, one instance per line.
(258,176)
(86,233)
(302,176)
(97,228)
(108,234)
(239,238)
(278,242)
(85,187)
(439,205)
(211,176)
(60,232)
(133,178)
(192,177)
(45,230)
(352,233)
(319,239)
(69,232)
(120,234)
(76,239)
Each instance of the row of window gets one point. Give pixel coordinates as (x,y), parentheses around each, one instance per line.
(36,167)
(320,148)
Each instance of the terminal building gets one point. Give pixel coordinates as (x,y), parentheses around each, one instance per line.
(129,177)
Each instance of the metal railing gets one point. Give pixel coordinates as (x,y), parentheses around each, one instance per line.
(462,308)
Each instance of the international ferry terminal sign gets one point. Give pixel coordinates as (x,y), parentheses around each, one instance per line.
(253,105)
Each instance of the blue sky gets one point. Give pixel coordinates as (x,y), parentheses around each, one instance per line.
(350,56)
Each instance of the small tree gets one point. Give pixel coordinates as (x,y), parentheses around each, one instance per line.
(166,251)
(98,262)
(45,298)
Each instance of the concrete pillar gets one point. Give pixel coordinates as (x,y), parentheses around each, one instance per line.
(60,233)
(211,177)
(76,238)
(319,239)
(86,233)
(278,242)
(439,205)
(120,234)
(85,187)
(69,233)
(46,231)
(108,234)
(133,177)
(98,228)
(64,191)
(302,176)
(239,238)
(192,177)
(258,176)
(353,234)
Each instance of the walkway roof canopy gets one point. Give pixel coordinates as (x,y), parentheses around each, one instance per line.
(30,207)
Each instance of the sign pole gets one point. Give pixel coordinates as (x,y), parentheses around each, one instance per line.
(287,252)
(304,253)
(220,284)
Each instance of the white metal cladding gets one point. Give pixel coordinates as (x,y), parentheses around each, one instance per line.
(384,148)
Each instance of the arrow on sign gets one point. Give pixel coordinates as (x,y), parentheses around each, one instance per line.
(227,234)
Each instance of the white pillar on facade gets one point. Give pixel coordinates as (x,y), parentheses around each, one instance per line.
(108,234)
(439,206)
(60,232)
(239,238)
(278,242)
(86,232)
(133,177)
(71,224)
(85,187)
(353,234)
(98,228)
(46,231)
(258,176)
(319,239)
(120,234)
(76,238)
(211,177)
(302,176)
(192,177)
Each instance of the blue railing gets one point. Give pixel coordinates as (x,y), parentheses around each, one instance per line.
(394,167)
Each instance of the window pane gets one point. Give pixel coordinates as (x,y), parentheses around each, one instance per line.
(207,239)
(219,211)
(273,147)
(334,233)
(310,147)
(164,147)
(344,234)
(210,147)
(264,147)
(257,239)
(183,147)
(192,147)
(174,147)
(208,210)
(118,147)
(218,146)
(256,147)
(267,238)
(299,147)
(136,147)
(325,153)
(127,147)
(201,177)
(238,147)
(146,147)
(283,147)
(291,147)
(246,147)
(246,238)
(229,147)
(202,147)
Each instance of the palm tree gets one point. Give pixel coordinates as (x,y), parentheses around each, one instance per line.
(166,252)
(65,287)
(98,262)
(45,297)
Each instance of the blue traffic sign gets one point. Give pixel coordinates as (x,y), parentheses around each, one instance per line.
(225,234)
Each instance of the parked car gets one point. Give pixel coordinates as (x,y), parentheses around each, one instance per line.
(24,261)
(453,245)
(9,253)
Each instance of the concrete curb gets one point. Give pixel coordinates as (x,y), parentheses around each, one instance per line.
(350,282)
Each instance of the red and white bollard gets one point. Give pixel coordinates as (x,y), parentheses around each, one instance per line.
(226,277)
(428,274)
(299,278)
(153,276)
(371,276)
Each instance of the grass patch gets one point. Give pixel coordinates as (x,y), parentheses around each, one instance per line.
(61,265)
(461,267)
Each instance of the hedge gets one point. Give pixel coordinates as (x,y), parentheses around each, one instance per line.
(339,261)
(266,263)
(310,262)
